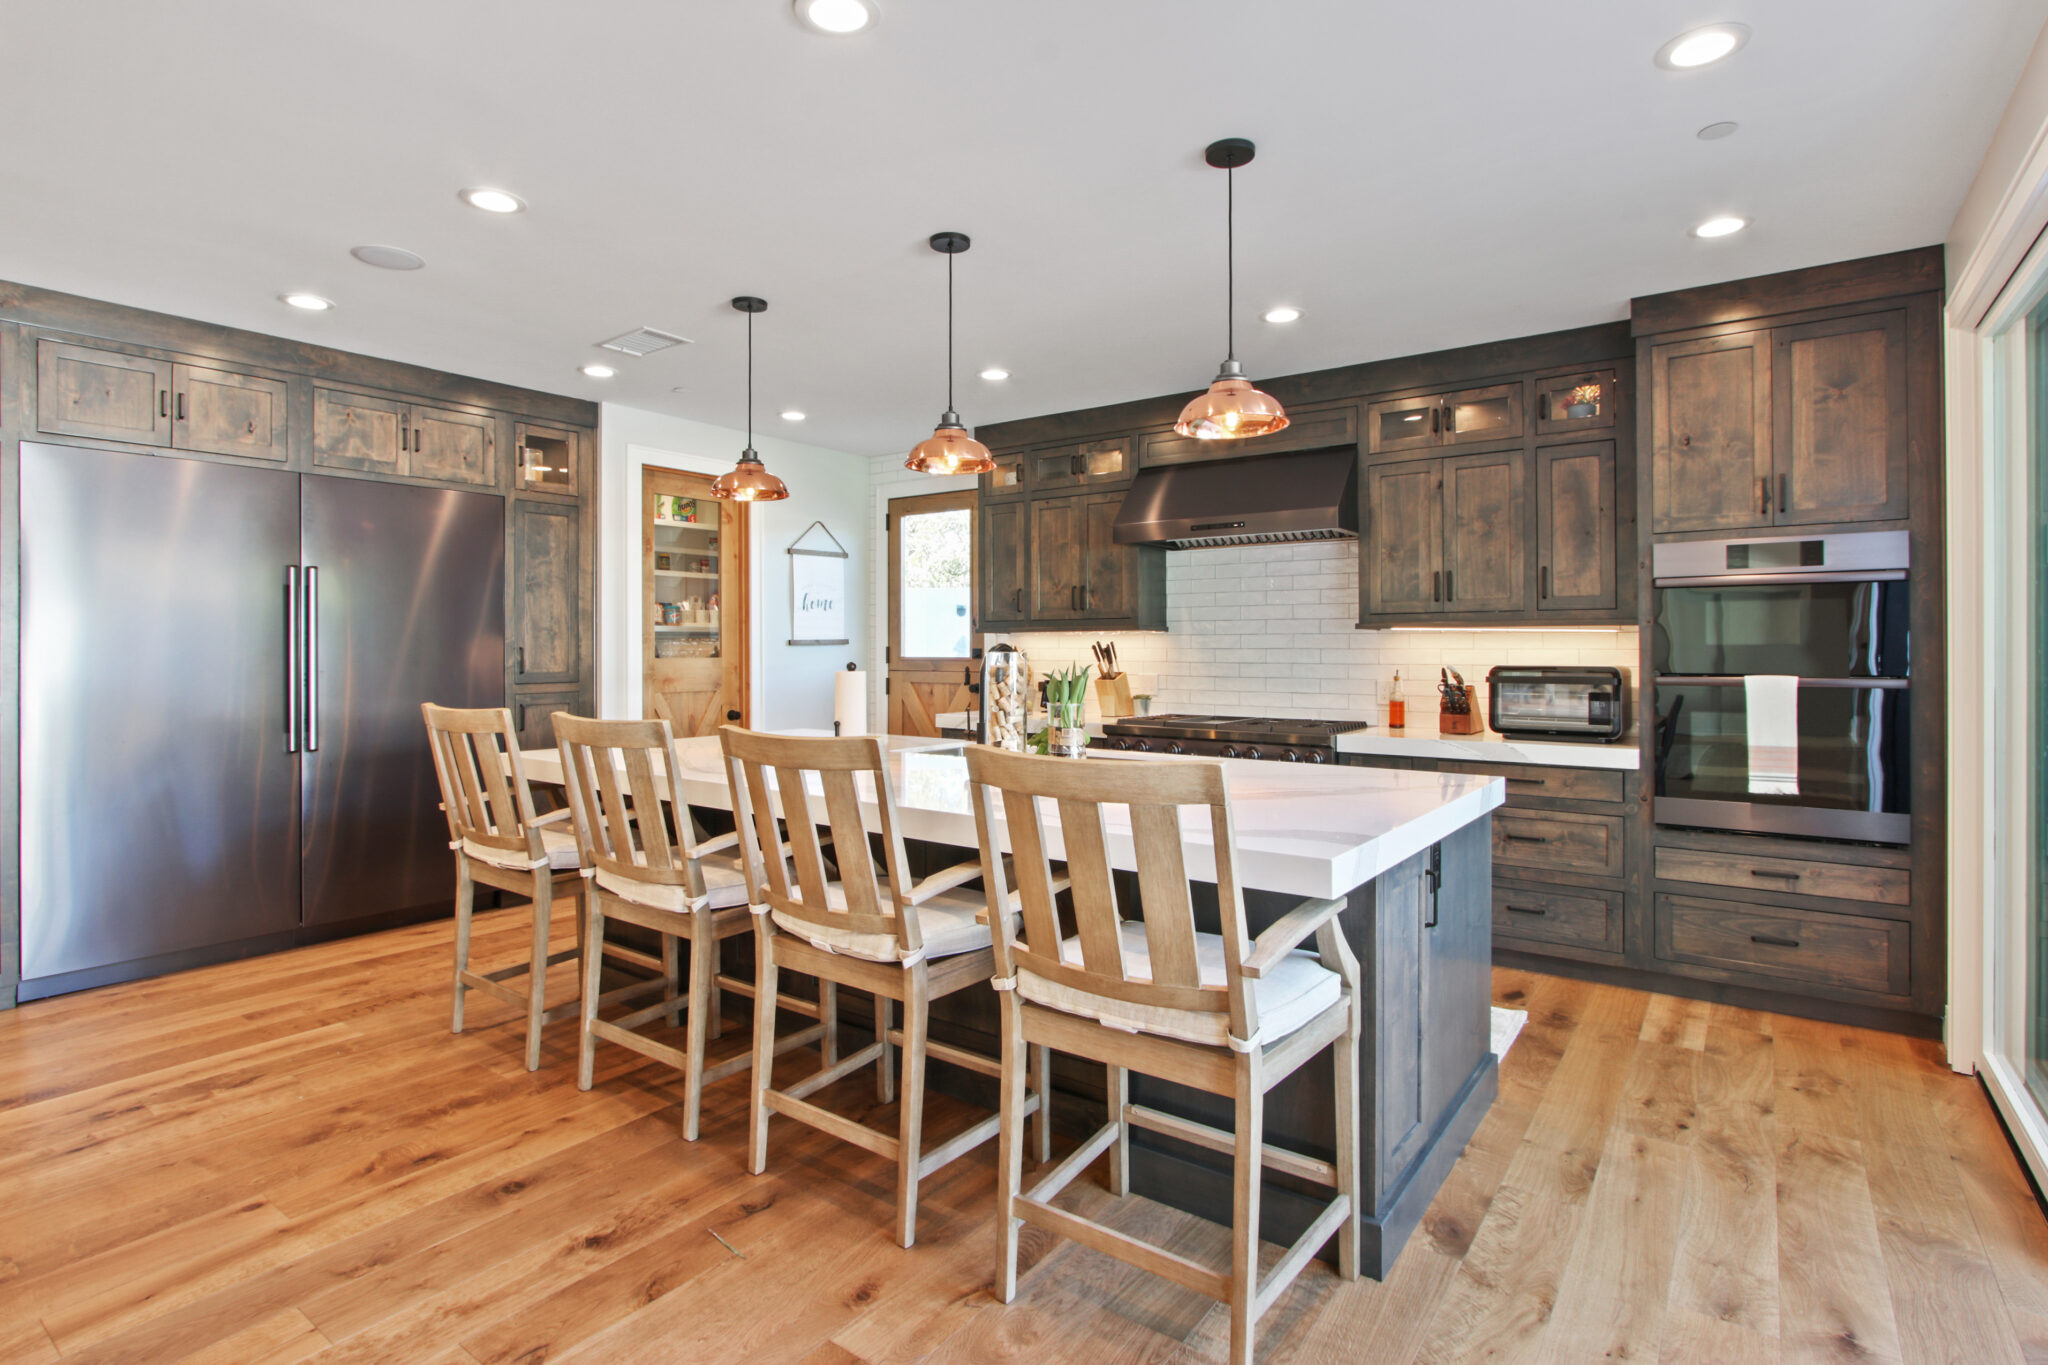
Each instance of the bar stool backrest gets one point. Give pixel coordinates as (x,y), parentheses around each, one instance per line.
(816,781)
(483,786)
(609,768)
(1154,794)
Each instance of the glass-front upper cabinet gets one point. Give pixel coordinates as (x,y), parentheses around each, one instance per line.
(1006,480)
(1489,413)
(547,459)
(1088,464)
(1575,402)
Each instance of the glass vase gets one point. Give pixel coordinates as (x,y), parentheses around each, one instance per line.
(1005,680)
(1066,735)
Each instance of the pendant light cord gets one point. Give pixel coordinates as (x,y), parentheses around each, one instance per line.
(1230,255)
(949,331)
(750,383)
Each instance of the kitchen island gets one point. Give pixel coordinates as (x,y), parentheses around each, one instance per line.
(1411,854)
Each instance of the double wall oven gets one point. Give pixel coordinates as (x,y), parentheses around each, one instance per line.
(1781,670)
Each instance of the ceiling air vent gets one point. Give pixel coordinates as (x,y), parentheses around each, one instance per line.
(644,341)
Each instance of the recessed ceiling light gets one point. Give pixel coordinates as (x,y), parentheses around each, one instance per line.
(387,257)
(599,371)
(792,415)
(312,303)
(837,16)
(995,374)
(1722,226)
(1714,132)
(1701,46)
(492,201)
(1282,314)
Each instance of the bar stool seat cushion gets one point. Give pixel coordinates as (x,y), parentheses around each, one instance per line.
(946,922)
(560,845)
(725,885)
(1296,990)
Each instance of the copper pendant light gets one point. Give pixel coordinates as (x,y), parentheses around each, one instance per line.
(949,449)
(749,480)
(1231,408)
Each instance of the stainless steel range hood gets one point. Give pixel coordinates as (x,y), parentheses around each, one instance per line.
(1254,500)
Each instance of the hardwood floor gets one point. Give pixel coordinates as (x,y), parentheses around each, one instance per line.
(292,1159)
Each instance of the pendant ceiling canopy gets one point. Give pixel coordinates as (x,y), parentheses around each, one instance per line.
(949,449)
(749,480)
(1230,409)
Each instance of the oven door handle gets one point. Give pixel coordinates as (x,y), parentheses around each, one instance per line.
(1737,680)
(1730,580)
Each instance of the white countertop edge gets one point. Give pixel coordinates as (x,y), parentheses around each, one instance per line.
(1623,755)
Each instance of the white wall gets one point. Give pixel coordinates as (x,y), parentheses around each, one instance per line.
(792,685)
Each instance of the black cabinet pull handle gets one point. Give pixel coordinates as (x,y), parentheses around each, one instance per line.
(1526,839)
(522,661)
(1765,483)
(1784,494)
(1769,941)
(1435,872)
(1523,910)
(1017,599)
(1763,872)
(1543,577)
(1529,781)
(521,726)
(163,402)
(1543,413)
(181,407)
(1436,586)
(1436,421)
(1450,588)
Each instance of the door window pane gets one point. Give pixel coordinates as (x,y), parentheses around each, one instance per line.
(937,576)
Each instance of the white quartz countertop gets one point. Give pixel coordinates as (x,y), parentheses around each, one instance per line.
(1421,739)
(1301,831)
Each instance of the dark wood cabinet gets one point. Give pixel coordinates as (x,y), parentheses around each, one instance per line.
(223,413)
(1404,538)
(534,712)
(1575,525)
(1053,563)
(1570,403)
(1006,563)
(547,572)
(1486,554)
(358,431)
(110,395)
(550,459)
(1710,433)
(1111,587)
(1088,464)
(1459,417)
(452,446)
(1006,480)
(1059,569)
(1840,434)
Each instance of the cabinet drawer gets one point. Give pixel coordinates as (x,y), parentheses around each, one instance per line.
(1852,951)
(1583,919)
(1526,783)
(1805,877)
(1559,841)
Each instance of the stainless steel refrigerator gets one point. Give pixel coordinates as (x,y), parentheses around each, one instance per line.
(221,674)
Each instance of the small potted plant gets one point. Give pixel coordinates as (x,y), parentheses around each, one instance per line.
(1585,401)
(1065,694)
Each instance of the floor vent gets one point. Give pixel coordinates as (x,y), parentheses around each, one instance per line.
(644,341)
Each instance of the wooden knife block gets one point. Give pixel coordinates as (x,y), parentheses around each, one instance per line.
(1113,696)
(1467,722)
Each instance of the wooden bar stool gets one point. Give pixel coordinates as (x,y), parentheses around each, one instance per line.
(683,890)
(868,929)
(502,843)
(1213,1011)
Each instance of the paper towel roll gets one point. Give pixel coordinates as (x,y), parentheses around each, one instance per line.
(850,702)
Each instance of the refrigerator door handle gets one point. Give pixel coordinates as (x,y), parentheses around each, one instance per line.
(293,639)
(311,638)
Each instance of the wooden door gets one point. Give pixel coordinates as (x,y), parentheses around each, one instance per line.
(223,413)
(694,606)
(358,431)
(84,391)
(1005,563)
(1404,423)
(1400,904)
(934,645)
(1575,516)
(1111,590)
(547,621)
(1710,433)
(1404,512)
(1840,437)
(455,446)
(1486,547)
(1059,570)
(1492,413)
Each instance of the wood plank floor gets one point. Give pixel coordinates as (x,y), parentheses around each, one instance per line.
(291,1159)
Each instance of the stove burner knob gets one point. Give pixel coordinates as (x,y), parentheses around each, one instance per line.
(1317,756)
(1251,752)
(1292,756)
(1143,746)
(1174,748)
(1230,751)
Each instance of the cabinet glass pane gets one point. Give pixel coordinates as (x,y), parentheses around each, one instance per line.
(1403,426)
(1100,463)
(1476,416)
(1007,476)
(686,578)
(937,575)
(547,462)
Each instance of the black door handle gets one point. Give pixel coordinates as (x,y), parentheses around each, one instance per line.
(1771,942)
(1435,872)
(521,669)
(1765,483)
(732,715)
(1522,910)
(1436,586)
(1784,494)
(181,407)
(163,402)
(1450,590)
(1543,577)
(520,726)
(1017,600)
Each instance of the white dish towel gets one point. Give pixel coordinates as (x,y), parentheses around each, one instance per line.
(1773,734)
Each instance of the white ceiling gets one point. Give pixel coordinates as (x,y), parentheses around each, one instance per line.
(1428,175)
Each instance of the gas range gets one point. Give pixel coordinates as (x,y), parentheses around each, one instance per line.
(1287,741)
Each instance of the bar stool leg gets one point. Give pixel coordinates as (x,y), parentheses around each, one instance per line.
(1041,1122)
(717,1004)
(910,1122)
(700,995)
(1009,1149)
(1244,1212)
(672,973)
(765,973)
(593,966)
(537,975)
(1119,1096)
(465,904)
(828,1015)
(885,1065)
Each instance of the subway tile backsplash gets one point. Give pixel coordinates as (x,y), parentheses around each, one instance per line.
(1271,630)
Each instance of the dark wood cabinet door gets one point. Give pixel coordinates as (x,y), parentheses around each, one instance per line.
(546,596)
(222,413)
(533,714)
(549,458)
(456,447)
(1400,905)
(1059,569)
(1575,402)
(1404,424)
(1111,590)
(1493,413)
(1839,393)
(1710,433)
(1575,527)
(84,391)
(1404,557)
(358,431)
(1089,464)
(1006,562)
(1006,480)
(1486,542)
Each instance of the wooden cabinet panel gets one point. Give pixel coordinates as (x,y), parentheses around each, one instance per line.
(1404,538)
(1399,909)
(1090,464)
(1493,413)
(358,431)
(1854,952)
(1559,841)
(533,713)
(1710,433)
(1306,429)
(1576,402)
(1839,392)
(456,447)
(1528,783)
(1059,568)
(1549,914)
(1111,588)
(546,596)
(1006,480)
(85,391)
(1802,876)
(1575,518)
(222,413)
(1399,424)
(550,458)
(1485,554)
(1006,562)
